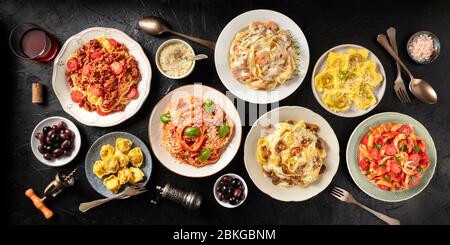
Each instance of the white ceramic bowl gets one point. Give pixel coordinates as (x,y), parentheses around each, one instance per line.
(62,88)
(62,160)
(155,131)
(353,111)
(295,193)
(158,51)
(226,204)
(223,46)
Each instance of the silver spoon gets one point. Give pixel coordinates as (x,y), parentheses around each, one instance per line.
(199,57)
(155,26)
(419,87)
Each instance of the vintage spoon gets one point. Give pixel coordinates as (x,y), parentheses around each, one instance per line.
(419,87)
(156,26)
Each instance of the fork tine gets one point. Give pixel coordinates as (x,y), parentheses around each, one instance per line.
(399,96)
(402,93)
(139,192)
(337,193)
(405,96)
(339,189)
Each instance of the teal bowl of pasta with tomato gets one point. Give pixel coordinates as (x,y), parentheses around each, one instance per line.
(391,157)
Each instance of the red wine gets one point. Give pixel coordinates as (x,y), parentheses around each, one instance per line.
(38,45)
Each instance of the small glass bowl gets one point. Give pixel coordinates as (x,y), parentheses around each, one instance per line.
(436,45)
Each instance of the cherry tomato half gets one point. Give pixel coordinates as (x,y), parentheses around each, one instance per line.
(113,42)
(100,112)
(77,96)
(132,94)
(96,55)
(405,129)
(390,150)
(116,68)
(72,65)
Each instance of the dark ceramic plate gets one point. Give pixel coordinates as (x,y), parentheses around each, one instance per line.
(94,155)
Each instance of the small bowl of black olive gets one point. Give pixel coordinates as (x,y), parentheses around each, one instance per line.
(230,190)
(55,141)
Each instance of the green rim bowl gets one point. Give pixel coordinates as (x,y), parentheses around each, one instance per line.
(361,180)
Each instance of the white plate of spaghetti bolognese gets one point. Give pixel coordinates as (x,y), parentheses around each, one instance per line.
(101,77)
(195,131)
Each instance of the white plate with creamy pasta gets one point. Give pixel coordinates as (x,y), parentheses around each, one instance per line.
(64,90)
(199,148)
(262,56)
(298,191)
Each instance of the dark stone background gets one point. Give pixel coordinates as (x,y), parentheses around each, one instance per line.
(325,24)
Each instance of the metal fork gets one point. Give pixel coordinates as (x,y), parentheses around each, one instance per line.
(344,196)
(129,191)
(399,85)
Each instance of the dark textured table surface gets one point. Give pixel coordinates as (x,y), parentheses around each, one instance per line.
(324,24)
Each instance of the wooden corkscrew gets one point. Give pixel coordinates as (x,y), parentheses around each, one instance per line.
(56,187)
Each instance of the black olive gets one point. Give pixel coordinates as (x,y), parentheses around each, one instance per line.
(48,140)
(63,136)
(54,139)
(57,152)
(46,129)
(65,145)
(54,127)
(41,138)
(67,152)
(237,193)
(223,189)
(229,192)
(233,201)
(51,132)
(69,132)
(42,149)
(47,156)
(236,183)
(62,125)
(48,148)
(226,179)
(220,196)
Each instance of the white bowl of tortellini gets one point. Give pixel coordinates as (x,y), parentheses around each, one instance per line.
(117,160)
(348,80)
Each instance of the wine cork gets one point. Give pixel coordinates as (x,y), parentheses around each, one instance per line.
(36,93)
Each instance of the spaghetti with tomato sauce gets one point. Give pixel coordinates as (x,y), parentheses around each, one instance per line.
(196,131)
(103,76)
(392,156)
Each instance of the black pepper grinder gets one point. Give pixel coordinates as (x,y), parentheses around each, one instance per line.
(188,199)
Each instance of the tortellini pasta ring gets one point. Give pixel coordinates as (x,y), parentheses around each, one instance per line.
(123,145)
(136,157)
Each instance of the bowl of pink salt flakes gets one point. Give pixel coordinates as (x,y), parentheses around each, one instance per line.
(423,47)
